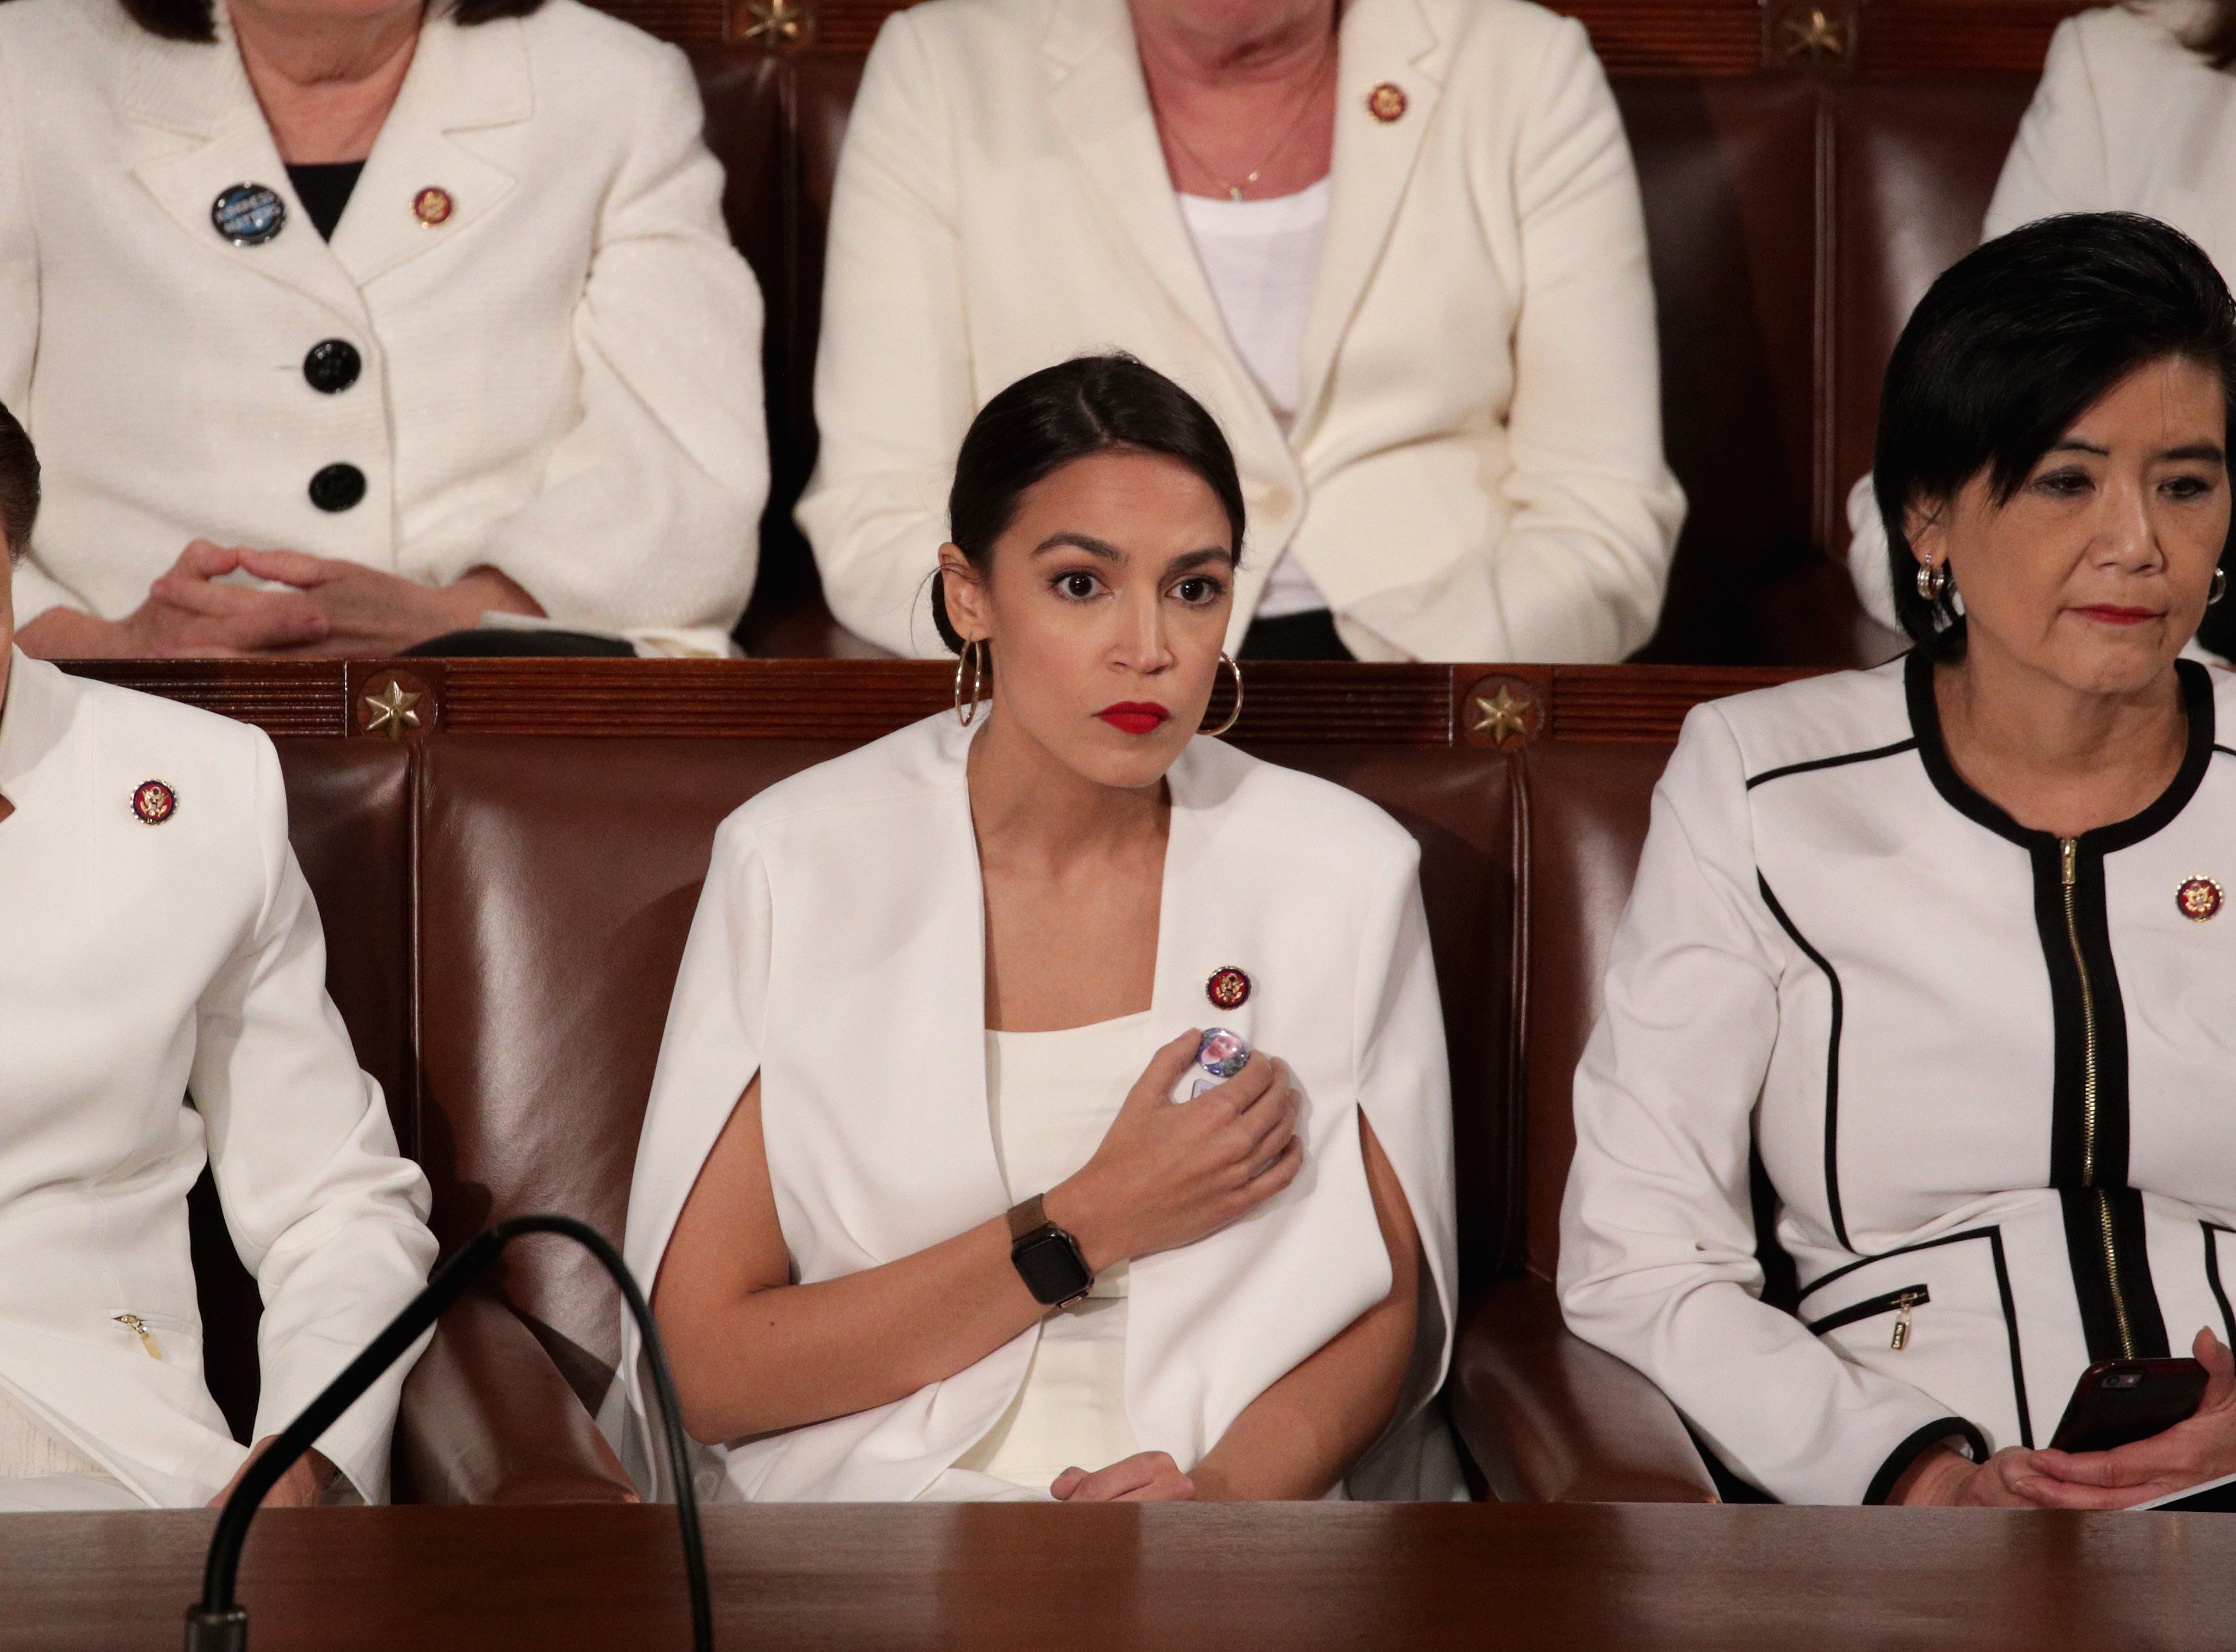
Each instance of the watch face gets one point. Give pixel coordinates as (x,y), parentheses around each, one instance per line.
(1051,1266)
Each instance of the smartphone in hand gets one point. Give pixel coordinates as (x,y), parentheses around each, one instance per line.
(2117,1402)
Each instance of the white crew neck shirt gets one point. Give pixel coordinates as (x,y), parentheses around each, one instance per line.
(1263,258)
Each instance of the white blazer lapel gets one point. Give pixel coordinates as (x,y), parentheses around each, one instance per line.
(1385,43)
(1101,105)
(202,134)
(460,80)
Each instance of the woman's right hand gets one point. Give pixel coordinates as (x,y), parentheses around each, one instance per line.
(1169,1173)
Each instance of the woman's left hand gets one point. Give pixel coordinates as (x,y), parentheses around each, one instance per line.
(301,1487)
(1145,1477)
(375,614)
(2203,1448)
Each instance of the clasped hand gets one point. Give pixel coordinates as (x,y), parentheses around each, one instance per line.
(2189,1453)
(328,607)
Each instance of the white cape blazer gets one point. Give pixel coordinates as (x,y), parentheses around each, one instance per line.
(1475,471)
(837,950)
(1974,1085)
(139,964)
(561,381)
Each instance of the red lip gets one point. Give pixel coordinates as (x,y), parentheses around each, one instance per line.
(1135,716)
(2112,613)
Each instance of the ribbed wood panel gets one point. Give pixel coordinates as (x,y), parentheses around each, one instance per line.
(861,700)
(1398,705)
(1644,39)
(1903,41)
(1636,39)
(1642,702)
(280,696)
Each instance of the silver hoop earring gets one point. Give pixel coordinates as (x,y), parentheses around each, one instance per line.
(976,654)
(1932,580)
(1231,716)
(2219,586)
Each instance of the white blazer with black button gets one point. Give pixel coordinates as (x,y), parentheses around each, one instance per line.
(561,381)
(836,952)
(1972,1085)
(1475,471)
(163,1005)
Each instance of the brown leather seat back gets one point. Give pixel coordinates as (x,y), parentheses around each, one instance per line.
(348,817)
(775,123)
(1587,808)
(557,880)
(1460,803)
(1726,170)
(1916,163)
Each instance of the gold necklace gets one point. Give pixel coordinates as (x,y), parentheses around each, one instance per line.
(1235,190)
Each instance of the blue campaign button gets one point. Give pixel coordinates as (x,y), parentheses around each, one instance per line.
(248,214)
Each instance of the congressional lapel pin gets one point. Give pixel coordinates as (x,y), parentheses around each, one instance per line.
(1386,102)
(1228,989)
(248,214)
(432,206)
(153,803)
(2198,898)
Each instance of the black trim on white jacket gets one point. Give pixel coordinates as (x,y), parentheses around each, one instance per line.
(1984,1067)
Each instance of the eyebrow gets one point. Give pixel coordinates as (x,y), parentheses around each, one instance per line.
(1088,543)
(2208,451)
(1104,550)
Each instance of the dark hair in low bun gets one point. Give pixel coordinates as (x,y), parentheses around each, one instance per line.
(1087,406)
(19,486)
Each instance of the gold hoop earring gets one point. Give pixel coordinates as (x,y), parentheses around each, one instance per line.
(1233,715)
(977,655)
(2219,586)
(1932,580)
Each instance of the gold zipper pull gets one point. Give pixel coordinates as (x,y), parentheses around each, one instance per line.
(2068,851)
(1903,1303)
(138,1327)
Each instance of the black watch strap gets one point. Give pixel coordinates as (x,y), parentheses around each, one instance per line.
(1047,1257)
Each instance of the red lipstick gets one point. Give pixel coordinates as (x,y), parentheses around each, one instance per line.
(2113,614)
(1135,716)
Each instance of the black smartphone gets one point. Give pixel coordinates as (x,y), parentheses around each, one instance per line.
(2117,1402)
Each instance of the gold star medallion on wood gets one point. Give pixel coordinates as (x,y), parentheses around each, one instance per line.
(1500,718)
(392,712)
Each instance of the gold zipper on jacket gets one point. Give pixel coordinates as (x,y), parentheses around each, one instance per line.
(138,1327)
(2069,862)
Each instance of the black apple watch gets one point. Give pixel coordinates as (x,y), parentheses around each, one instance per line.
(1046,1257)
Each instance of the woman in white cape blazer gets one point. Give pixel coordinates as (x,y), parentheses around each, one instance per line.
(836,952)
(1474,471)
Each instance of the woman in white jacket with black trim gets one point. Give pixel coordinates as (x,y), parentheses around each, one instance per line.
(1945,943)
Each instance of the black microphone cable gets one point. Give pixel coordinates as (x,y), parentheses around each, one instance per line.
(219,1623)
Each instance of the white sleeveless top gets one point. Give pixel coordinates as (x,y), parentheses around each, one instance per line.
(1262,259)
(1052,1096)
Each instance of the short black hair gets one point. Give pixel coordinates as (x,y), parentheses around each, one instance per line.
(197,19)
(2014,342)
(1077,409)
(19,485)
